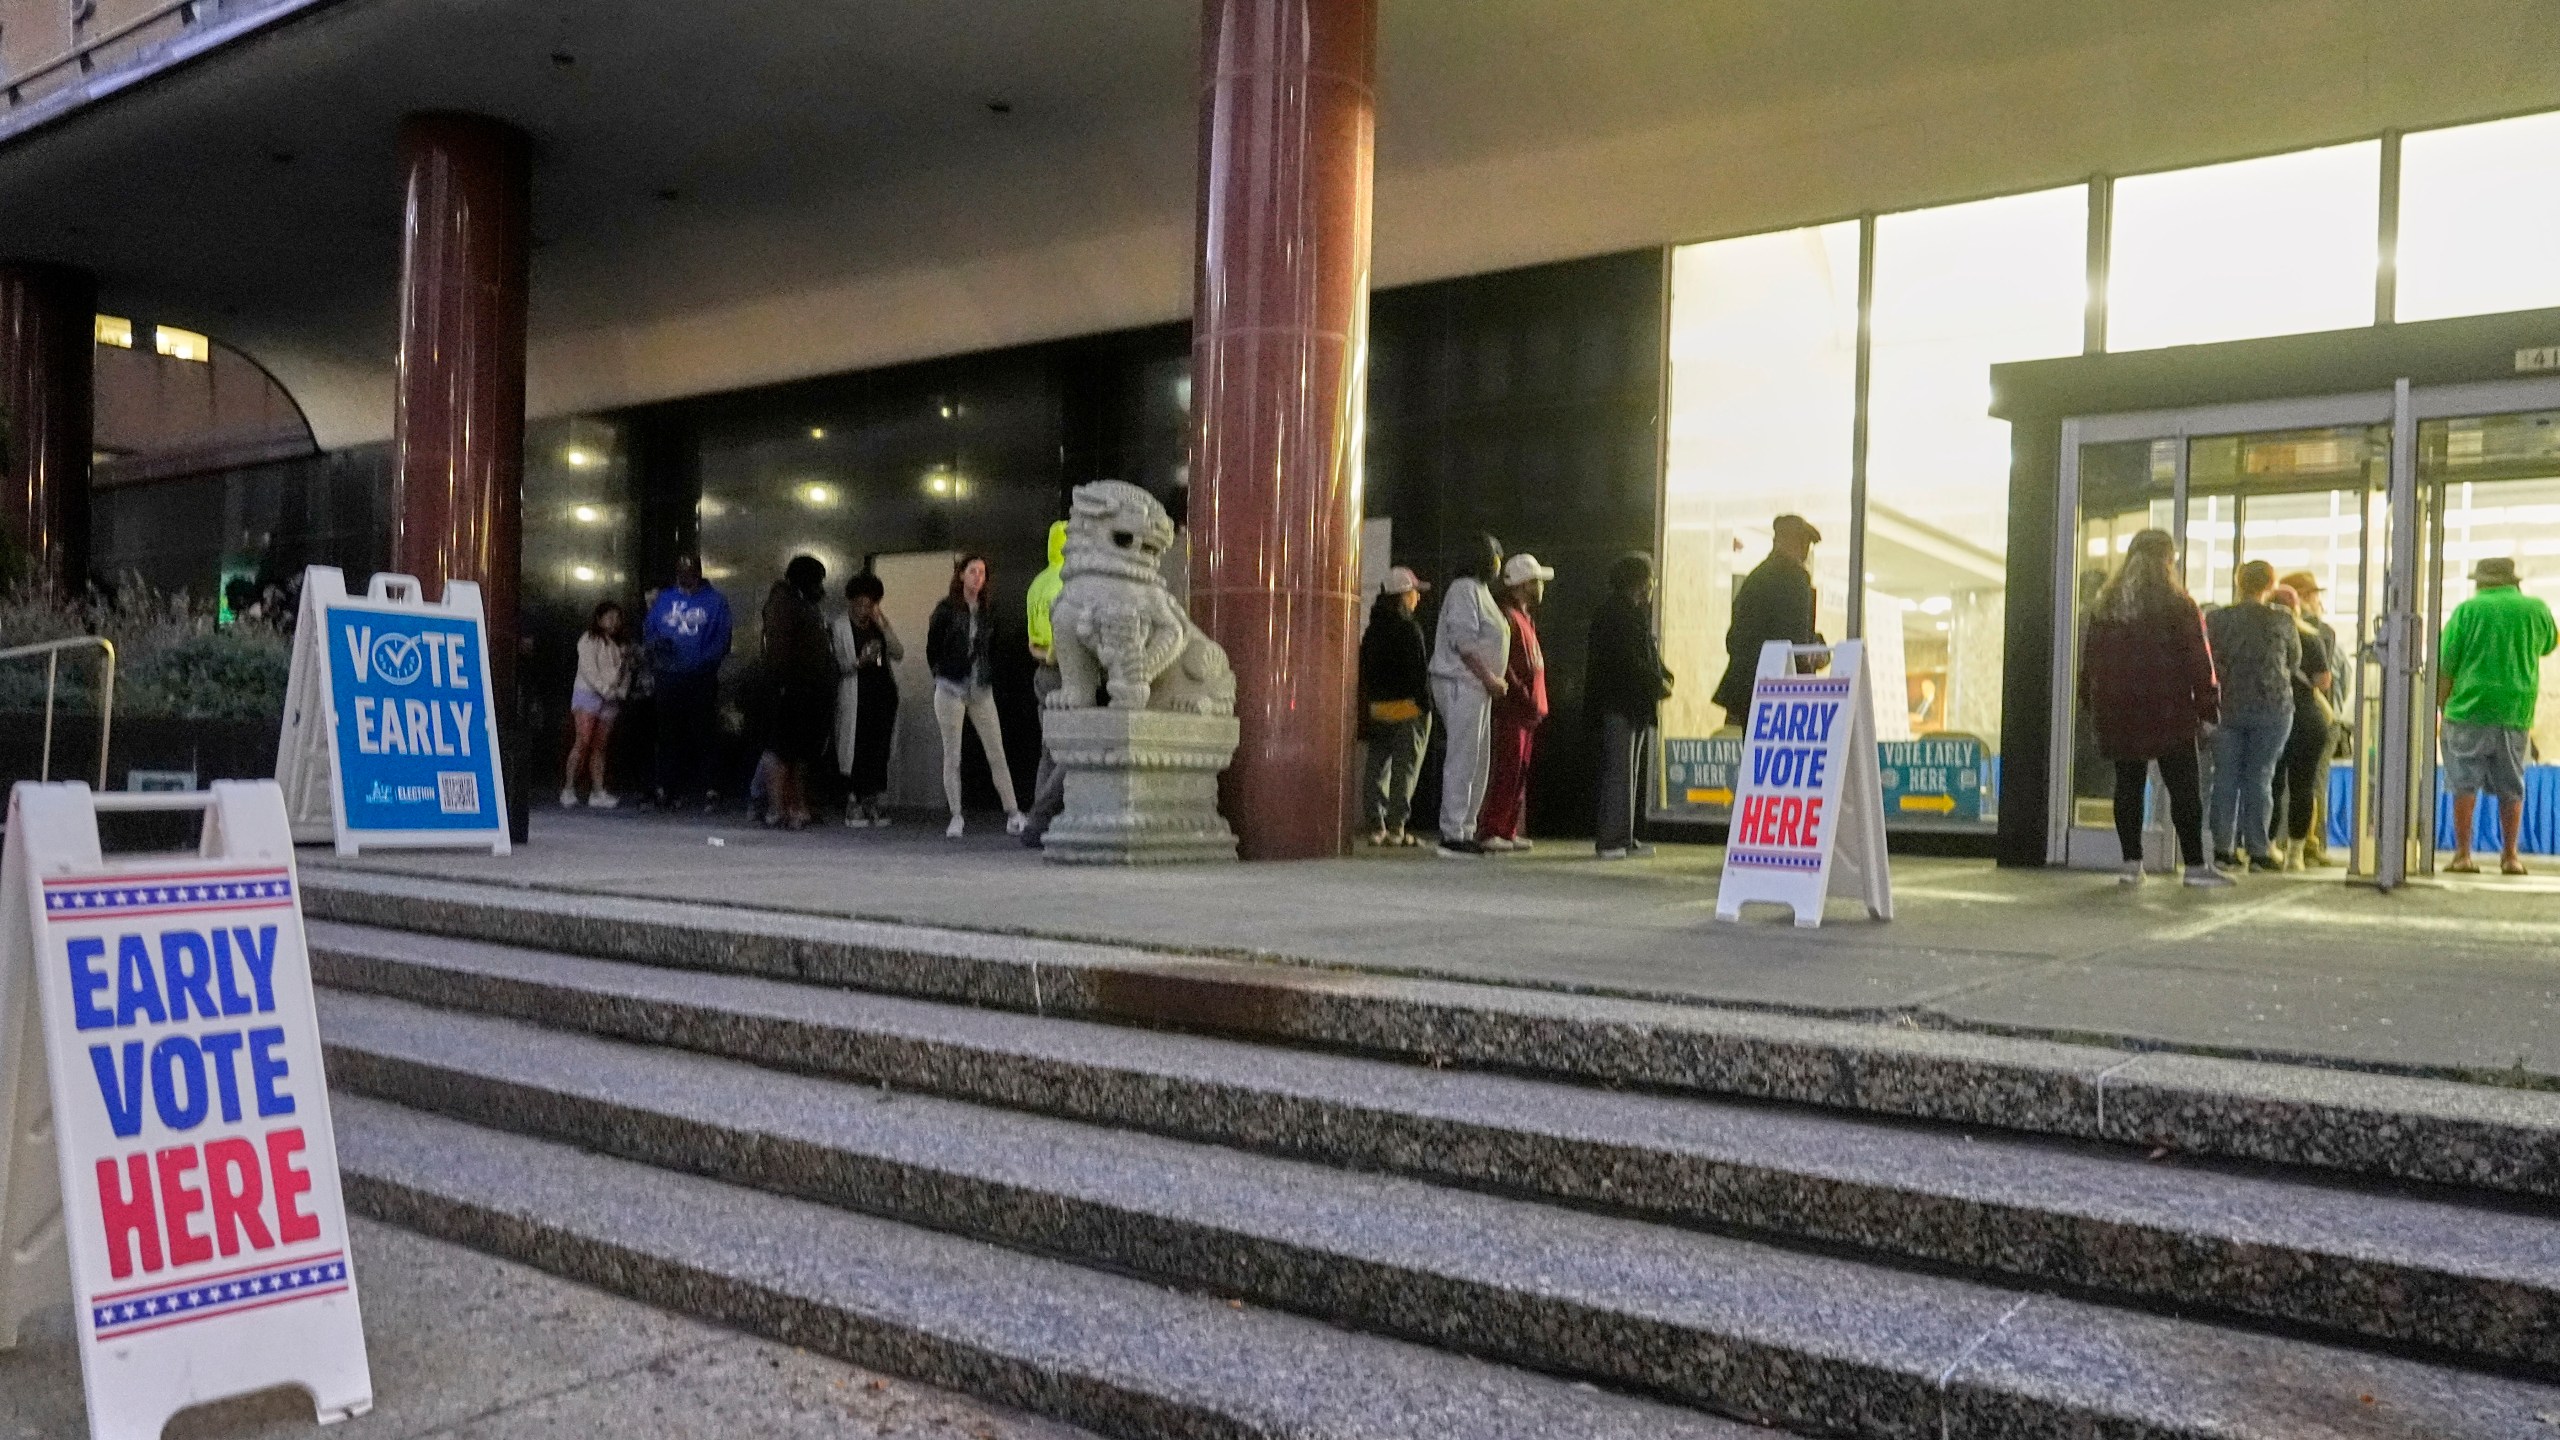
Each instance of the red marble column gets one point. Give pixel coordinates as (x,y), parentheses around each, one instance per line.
(1278,351)
(458,433)
(48,324)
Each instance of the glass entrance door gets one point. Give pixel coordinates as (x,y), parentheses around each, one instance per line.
(2387,500)
(2303,486)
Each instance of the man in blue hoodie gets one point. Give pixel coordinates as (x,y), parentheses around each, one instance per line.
(685,638)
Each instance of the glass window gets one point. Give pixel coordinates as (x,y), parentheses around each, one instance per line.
(1763,379)
(180,344)
(2478,205)
(1957,289)
(2275,246)
(115,330)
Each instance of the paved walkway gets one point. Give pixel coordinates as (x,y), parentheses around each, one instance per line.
(2455,980)
(468,1347)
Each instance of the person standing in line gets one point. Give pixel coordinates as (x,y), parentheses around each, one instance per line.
(1520,710)
(1469,650)
(800,685)
(865,649)
(2257,649)
(2306,588)
(2302,772)
(1623,688)
(685,637)
(595,702)
(959,648)
(2489,677)
(1049,788)
(1395,706)
(1774,602)
(2147,681)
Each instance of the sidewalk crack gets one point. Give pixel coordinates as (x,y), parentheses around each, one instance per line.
(1947,1376)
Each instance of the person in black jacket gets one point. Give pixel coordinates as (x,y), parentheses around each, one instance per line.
(1395,705)
(800,684)
(1775,602)
(1623,690)
(959,650)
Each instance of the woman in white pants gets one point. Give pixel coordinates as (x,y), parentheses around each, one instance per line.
(1467,654)
(958,646)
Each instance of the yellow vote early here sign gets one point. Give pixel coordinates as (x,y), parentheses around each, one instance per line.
(167,1161)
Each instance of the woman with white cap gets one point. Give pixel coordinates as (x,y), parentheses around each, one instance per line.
(1519,711)
(1395,705)
(1468,652)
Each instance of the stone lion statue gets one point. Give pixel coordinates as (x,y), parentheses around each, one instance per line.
(1115,621)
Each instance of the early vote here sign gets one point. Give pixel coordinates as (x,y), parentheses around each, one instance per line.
(196,1097)
(412,716)
(1787,783)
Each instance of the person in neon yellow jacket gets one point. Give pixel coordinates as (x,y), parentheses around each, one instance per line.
(1049,792)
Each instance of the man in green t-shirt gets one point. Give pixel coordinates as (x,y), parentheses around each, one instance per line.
(2490,673)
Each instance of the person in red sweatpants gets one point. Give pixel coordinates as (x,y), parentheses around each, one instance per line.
(1519,711)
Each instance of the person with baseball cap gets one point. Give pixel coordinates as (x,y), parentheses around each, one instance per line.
(1395,706)
(1518,711)
(2489,674)
(1468,652)
(1774,602)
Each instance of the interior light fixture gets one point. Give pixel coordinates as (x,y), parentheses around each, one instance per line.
(180,344)
(115,330)
(581,458)
(1937,605)
(817,432)
(583,572)
(586,514)
(816,495)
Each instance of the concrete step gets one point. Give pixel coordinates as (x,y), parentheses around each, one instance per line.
(2382,1126)
(1804,1341)
(1110,1353)
(2477,1280)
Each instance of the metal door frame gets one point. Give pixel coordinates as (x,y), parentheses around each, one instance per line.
(2410,617)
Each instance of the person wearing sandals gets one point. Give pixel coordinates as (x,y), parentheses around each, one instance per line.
(2489,671)
(1395,706)
(2148,683)
(866,698)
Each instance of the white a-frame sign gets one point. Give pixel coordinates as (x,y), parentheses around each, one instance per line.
(390,738)
(167,1161)
(1808,804)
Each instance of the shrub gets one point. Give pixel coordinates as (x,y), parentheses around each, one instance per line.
(171,659)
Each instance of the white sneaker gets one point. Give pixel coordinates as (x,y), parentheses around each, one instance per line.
(2131,875)
(2207,877)
(1496,845)
(568,799)
(603,800)
(1524,845)
(1016,822)
(956,826)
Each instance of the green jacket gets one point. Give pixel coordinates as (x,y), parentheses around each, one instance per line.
(1044,589)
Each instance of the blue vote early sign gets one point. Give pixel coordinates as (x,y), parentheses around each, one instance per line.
(402,690)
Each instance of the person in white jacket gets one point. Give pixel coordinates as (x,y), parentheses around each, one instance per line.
(866,698)
(595,702)
(1468,651)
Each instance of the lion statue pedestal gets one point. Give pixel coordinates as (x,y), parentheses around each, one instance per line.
(1142,770)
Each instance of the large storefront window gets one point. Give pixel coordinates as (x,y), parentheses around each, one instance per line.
(2275,246)
(2478,206)
(1764,336)
(1958,289)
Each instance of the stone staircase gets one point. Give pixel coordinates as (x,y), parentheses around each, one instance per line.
(1171,1196)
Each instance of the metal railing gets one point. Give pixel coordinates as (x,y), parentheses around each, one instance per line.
(83,52)
(52,651)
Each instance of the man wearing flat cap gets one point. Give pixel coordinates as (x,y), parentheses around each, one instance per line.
(2489,675)
(1775,602)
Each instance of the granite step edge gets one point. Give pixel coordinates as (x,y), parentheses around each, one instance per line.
(1112,1354)
(2369,1280)
(2433,1131)
(1803,1341)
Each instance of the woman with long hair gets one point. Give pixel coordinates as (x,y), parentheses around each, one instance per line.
(959,647)
(866,648)
(2147,680)
(595,702)
(2302,771)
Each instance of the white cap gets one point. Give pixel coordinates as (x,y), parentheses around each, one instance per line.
(1522,568)
(1401,581)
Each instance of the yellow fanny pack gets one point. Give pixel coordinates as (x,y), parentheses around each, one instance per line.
(1394,712)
